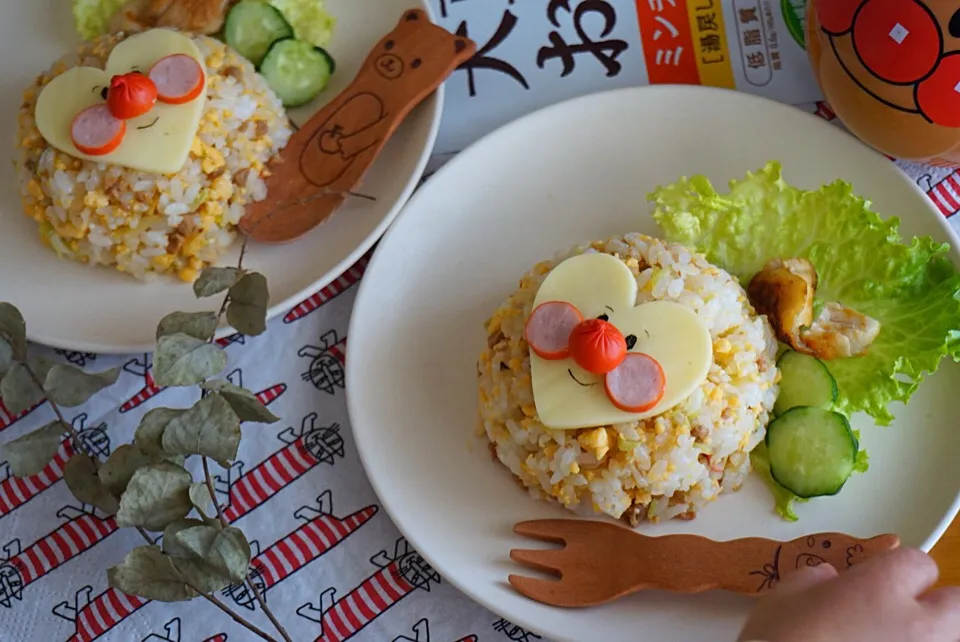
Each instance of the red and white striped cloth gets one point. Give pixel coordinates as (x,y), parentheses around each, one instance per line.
(329,561)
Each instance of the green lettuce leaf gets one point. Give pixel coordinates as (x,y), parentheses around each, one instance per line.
(93,16)
(783,499)
(911,288)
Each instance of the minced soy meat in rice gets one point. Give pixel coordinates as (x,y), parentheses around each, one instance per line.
(662,467)
(145,224)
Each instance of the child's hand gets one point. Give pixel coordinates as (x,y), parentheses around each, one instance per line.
(876,601)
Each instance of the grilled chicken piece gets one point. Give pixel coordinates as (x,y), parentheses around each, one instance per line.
(840,332)
(784,291)
(197,16)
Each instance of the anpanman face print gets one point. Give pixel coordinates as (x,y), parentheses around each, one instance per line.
(596,357)
(142,111)
(890,69)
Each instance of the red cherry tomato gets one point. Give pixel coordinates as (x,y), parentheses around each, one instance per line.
(939,95)
(131,95)
(597,346)
(836,16)
(898,40)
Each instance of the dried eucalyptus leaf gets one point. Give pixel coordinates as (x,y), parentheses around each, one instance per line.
(226,551)
(197,572)
(201,575)
(119,468)
(150,431)
(201,498)
(214,280)
(199,325)
(231,554)
(243,402)
(197,540)
(6,356)
(156,495)
(70,386)
(146,572)
(247,309)
(82,479)
(13,329)
(170,545)
(29,454)
(182,360)
(210,428)
(41,366)
(19,391)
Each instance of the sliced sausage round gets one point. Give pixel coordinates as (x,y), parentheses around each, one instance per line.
(95,131)
(548,329)
(179,79)
(637,384)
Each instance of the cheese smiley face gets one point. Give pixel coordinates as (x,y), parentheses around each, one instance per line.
(163,71)
(598,358)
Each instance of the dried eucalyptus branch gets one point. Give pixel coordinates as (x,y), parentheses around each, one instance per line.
(145,484)
(236,618)
(208,479)
(263,605)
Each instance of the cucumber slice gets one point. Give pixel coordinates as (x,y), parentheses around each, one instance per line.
(805,381)
(252,27)
(812,451)
(296,70)
(330,60)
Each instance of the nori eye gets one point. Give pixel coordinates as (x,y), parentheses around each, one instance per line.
(604,317)
(103,93)
(631,341)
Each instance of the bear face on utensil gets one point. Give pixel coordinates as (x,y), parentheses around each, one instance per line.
(601,287)
(405,49)
(890,69)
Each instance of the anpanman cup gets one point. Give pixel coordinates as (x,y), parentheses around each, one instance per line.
(890,69)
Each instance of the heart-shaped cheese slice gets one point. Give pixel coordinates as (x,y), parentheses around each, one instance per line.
(567,396)
(157,142)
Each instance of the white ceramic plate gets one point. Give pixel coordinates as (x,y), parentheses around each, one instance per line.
(573,172)
(67,305)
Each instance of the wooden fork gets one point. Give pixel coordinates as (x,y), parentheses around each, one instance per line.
(601,562)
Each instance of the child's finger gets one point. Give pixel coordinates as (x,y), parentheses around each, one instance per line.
(944,607)
(908,571)
(805,578)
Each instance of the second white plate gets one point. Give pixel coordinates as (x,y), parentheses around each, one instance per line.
(68,305)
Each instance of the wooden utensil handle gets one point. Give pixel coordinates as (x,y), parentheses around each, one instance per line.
(327,158)
(749,566)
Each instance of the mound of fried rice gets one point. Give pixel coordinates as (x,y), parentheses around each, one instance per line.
(664,467)
(148,224)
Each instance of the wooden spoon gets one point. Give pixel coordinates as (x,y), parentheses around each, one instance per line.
(602,562)
(326,159)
